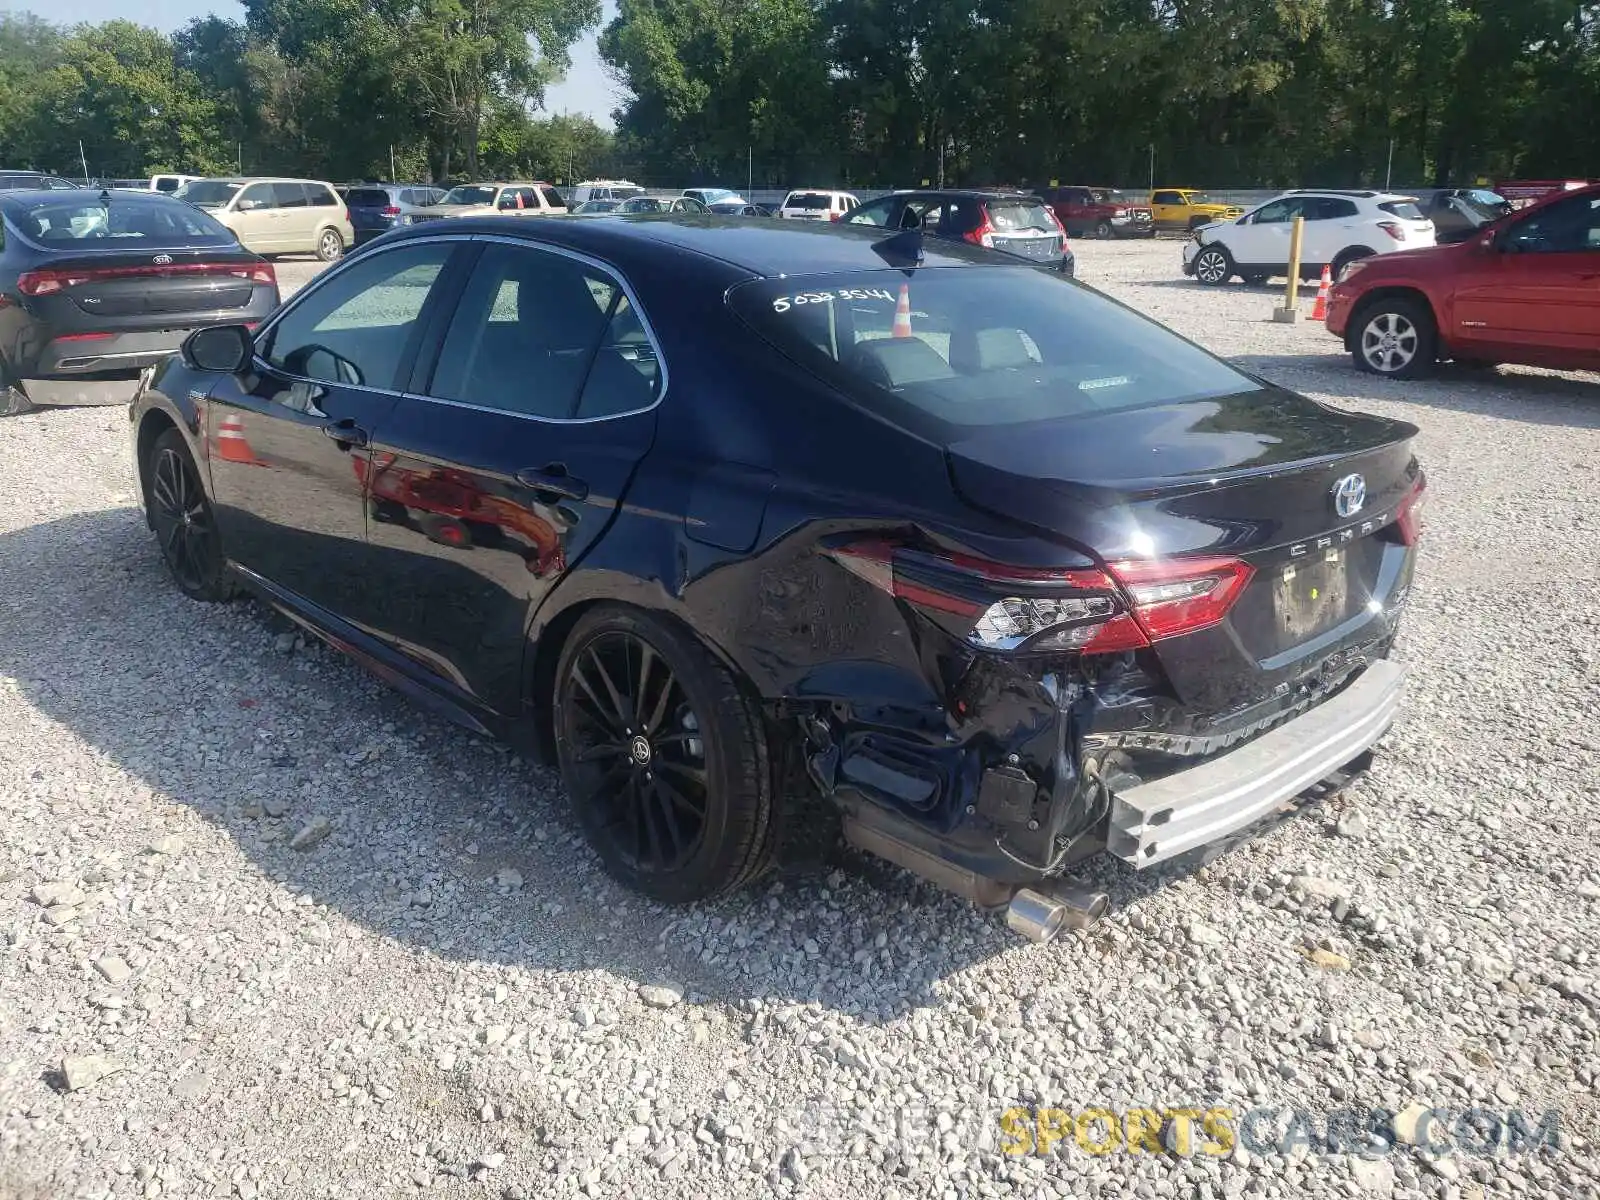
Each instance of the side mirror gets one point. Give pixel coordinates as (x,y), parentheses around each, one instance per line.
(246,205)
(228,348)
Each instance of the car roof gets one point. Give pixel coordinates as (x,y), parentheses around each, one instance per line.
(243,179)
(974,193)
(761,248)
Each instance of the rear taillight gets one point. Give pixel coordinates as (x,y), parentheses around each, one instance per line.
(1408,517)
(1089,611)
(833,216)
(392,211)
(1394,229)
(983,235)
(50,280)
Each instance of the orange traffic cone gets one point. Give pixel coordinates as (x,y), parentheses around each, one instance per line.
(902,313)
(1319,310)
(231,445)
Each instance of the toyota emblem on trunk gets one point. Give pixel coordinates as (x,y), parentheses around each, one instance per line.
(162,260)
(1349,494)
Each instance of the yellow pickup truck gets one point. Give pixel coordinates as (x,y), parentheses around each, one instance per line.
(1185,208)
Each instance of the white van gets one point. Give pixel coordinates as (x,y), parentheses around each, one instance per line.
(602,189)
(808,204)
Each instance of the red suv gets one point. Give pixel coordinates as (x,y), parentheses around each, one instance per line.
(1525,289)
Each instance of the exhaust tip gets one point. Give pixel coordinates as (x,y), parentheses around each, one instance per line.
(1037,917)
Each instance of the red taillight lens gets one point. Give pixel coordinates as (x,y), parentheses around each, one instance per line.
(833,216)
(1408,518)
(1182,595)
(1394,229)
(983,235)
(81,337)
(392,211)
(45,282)
(1087,611)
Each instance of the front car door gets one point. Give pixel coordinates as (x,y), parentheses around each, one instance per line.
(1167,208)
(287,442)
(506,460)
(1536,289)
(884,212)
(1264,240)
(255,218)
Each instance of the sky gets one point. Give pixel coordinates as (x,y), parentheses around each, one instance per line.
(585,90)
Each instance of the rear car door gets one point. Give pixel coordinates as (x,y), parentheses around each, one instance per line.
(1538,287)
(297,220)
(287,443)
(507,459)
(255,218)
(1330,228)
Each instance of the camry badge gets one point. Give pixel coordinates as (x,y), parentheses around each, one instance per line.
(1349,495)
(162,260)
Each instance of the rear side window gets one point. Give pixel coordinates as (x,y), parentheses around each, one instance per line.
(986,345)
(124,223)
(1406,210)
(552,198)
(355,328)
(544,335)
(321,197)
(367,198)
(289,195)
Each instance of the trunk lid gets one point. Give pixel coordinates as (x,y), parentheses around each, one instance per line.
(194,282)
(1255,477)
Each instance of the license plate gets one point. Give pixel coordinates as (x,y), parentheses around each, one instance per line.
(1312,594)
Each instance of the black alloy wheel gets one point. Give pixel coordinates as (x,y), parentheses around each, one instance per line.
(185,527)
(663,757)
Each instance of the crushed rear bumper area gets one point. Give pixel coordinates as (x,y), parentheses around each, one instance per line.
(1157,821)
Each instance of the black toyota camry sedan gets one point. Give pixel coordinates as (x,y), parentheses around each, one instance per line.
(96,285)
(758,527)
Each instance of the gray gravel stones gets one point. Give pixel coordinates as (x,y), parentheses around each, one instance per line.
(446,977)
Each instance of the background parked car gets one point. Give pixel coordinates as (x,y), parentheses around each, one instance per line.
(32,179)
(1458,213)
(661,202)
(95,286)
(1099,211)
(712,195)
(1525,291)
(738,208)
(807,204)
(277,216)
(602,189)
(593,208)
(376,208)
(1185,208)
(1340,228)
(170,183)
(1010,221)
(533,199)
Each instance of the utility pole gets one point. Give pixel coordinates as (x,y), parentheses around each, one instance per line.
(1388,175)
(749,172)
(83,161)
(392,176)
(1152,166)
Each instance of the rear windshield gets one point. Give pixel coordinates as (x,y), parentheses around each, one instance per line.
(124,221)
(367,198)
(1406,210)
(646,204)
(1016,215)
(208,193)
(808,200)
(168,183)
(986,345)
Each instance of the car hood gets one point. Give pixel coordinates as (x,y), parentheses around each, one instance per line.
(462,210)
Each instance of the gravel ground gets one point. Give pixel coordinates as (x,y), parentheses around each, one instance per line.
(269,931)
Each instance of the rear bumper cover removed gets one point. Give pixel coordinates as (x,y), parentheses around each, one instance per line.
(1156,821)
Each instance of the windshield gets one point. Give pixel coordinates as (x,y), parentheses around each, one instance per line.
(470,193)
(208,193)
(1487,199)
(367,198)
(710,195)
(1008,216)
(1196,198)
(128,221)
(1109,196)
(987,345)
(645,204)
(596,206)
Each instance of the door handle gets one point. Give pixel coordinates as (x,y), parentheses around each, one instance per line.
(346,433)
(552,479)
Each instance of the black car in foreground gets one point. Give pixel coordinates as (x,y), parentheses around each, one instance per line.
(97,285)
(1017,223)
(758,524)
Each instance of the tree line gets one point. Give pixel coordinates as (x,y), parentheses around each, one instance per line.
(860,92)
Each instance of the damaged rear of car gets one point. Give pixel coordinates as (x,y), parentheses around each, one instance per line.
(1148,604)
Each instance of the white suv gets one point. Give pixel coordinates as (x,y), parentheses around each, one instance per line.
(809,204)
(1340,227)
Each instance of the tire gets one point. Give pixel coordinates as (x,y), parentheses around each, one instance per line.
(677,797)
(14,401)
(1103,230)
(1345,257)
(1394,338)
(1213,266)
(185,526)
(329,245)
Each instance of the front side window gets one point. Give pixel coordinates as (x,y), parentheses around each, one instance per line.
(356,327)
(544,335)
(208,193)
(988,345)
(875,212)
(1166,198)
(1566,227)
(256,196)
(1277,212)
